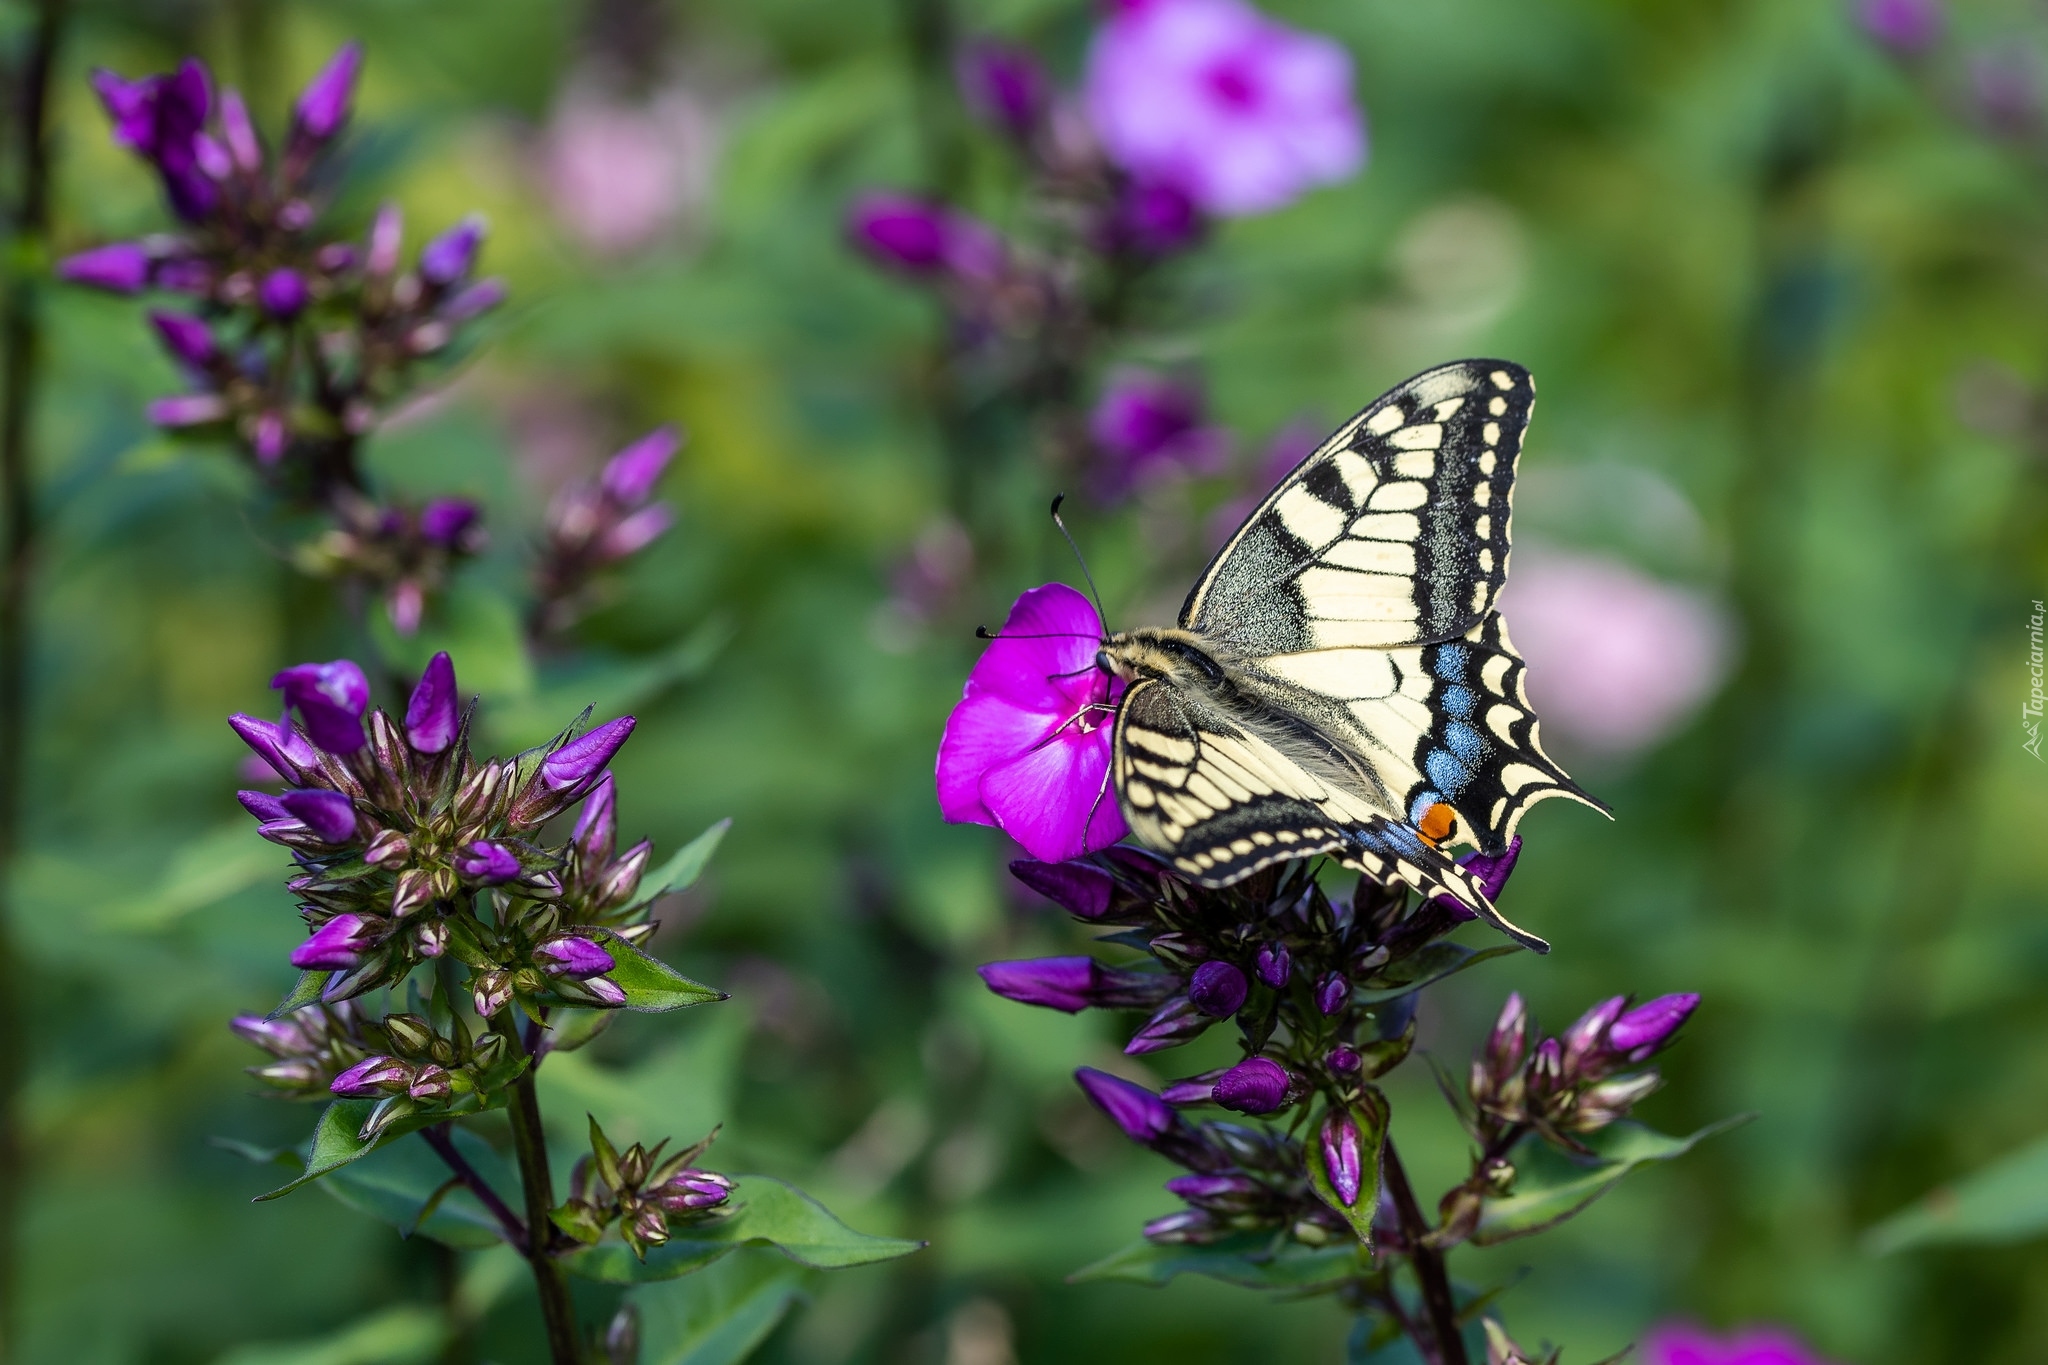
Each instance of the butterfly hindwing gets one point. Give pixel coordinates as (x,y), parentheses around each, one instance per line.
(1394,532)
(1223,796)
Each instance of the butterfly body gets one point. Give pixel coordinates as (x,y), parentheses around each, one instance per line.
(1340,681)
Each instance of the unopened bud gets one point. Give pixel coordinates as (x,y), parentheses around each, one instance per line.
(622,878)
(1332,992)
(371,1077)
(432,1083)
(1218,989)
(492,992)
(1275,964)
(389,848)
(409,1033)
(1342,1160)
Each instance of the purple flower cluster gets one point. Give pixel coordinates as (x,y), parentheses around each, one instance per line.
(289,320)
(403,552)
(1322,994)
(592,525)
(397,830)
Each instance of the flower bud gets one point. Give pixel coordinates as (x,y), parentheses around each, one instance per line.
(186,410)
(432,1084)
(1342,1160)
(387,230)
(279,1037)
(1186,1225)
(1343,1060)
(432,714)
(449,256)
(331,699)
(1275,964)
(1004,84)
(1490,870)
(581,760)
(650,1226)
(1223,1192)
(629,476)
(597,824)
(409,1033)
(691,1191)
(491,991)
(1588,1035)
(1256,1085)
(445,521)
(337,945)
(122,268)
(240,132)
(279,745)
(1143,1116)
(371,1077)
(1602,1104)
(487,863)
(622,878)
(1332,992)
(1078,888)
(283,293)
(1174,1023)
(1074,984)
(632,534)
(476,300)
(324,106)
(1645,1029)
(430,938)
(389,848)
(187,338)
(1907,28)
(1504,1046)
(271,438)
(1192,1089)
(328,814)
(413,889)
(1218,989)
(263,806)
(573,956)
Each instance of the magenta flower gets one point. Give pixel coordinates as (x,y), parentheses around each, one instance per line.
(1681,1344)
(1027,748)
(122,268)
(331,699)
(923,238)
(1004,84)
(1906,27)
(1241,113)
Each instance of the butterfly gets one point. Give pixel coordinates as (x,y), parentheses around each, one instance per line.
(1341,681)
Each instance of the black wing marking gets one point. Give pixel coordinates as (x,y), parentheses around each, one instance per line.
(1394,532)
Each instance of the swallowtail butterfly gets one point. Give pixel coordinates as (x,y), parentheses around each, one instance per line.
(1341,681)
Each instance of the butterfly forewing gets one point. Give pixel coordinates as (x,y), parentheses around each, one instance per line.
(1394,532)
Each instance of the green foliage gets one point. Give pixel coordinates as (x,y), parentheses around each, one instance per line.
(716,1317)
(2004,1202)
(1551,1186)
(1257,1261)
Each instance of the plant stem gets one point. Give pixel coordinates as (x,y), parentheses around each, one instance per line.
(530,1144)
(20,364)
(438,1137)
(1428,1263)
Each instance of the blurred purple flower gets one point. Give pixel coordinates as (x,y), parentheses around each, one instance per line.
(1027,747)
(621,175)
(1242,113)
(444,520)
(240,132)
(924,238)
(448,258)
(1153,218)
(1617,660)
(163,120)
(1146,423)
(186,409)
(324,106)
(629,476)
(1682,1344)
(1004,84)
(283,293)
(185,337)
(1650,1025)
(331,699)
(2005,90)
(122,268)
(1907,27)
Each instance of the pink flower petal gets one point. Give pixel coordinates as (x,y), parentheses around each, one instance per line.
(1055,799)
(984,730)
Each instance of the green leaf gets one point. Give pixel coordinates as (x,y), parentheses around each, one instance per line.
(651,985)
(396,1183)
(2006,1201)
(680,872)
(204,872)
(569,1029)
(335,1142)
(262,1156)
(409,1335)
(1425,968)
(720,1316)
(1258,1260)
(1551,1187)
(1370,1114)
(769,1213)
(308,989)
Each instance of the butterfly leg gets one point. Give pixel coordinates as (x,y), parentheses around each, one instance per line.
(1388,851)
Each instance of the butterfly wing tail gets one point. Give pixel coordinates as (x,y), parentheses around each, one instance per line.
(1389,852)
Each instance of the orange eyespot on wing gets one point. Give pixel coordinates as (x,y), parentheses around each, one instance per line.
(1438,823)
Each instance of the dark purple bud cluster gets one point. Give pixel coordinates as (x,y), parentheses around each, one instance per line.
(409,847)
(311,1046)
(402,552)
(593,525)
(300,338)
(646,1196)
(1241,1178)
(1323,995)
(1575,1083)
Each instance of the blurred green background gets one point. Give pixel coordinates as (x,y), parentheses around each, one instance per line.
(1785,305)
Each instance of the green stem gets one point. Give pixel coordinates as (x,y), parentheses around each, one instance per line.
(27,250)
(1437,1301)
(530,1145)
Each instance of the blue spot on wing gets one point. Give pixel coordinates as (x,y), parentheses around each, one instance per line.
(1451,661)
(1459,701)
(1467,743)
(1447,772)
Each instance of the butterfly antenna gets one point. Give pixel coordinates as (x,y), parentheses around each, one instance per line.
(1093,591)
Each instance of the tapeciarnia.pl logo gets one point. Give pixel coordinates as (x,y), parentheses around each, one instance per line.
(2030,712)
